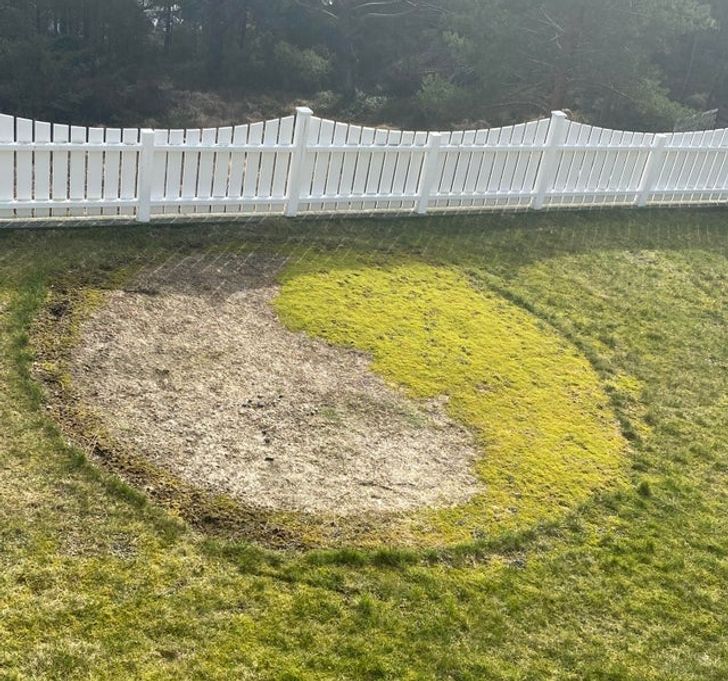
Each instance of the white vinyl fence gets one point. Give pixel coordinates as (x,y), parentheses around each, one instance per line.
(307,165)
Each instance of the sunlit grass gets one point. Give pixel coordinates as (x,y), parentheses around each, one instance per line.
(632,585)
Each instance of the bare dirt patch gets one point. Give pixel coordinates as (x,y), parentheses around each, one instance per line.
(191,367)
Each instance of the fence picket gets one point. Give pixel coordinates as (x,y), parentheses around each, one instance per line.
(401,168)
(393,143)
(485,174)
(346,187)
(61,135)
(237,168)
(534,159)
(462,165)
(95,170)
(336,163)
(376,166)
(283,160)
(129,164)
(159,170)
(7,164)
(77,170)
(173,182)
(415,169)
(605,172)
(221,172)
(112,167)
(505,187)
(721,179)
(42,167)
(364,159)
(24,167)
(474,166)
(191,163)
(267,162)
(599,138)
(204,176)
(704,169)
(550,158)
(252,165)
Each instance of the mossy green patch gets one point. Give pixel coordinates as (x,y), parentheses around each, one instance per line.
(549,436)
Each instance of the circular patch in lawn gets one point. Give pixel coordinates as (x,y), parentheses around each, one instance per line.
(191,368)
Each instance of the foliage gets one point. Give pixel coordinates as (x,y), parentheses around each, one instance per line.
(301,70)
(441,100)
(594,58)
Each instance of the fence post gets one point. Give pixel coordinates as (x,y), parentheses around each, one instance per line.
(146,169)
(429,172)
(550,158)
(652,170)
(295,177)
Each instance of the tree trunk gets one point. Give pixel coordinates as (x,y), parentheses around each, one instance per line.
(349,30)
(168,24)
(571,41)
(691,64)
(38,20)
(244,19)
(215,40)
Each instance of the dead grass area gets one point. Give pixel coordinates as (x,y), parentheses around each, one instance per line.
(190,367)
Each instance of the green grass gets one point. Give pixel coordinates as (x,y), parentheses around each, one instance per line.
(96,582)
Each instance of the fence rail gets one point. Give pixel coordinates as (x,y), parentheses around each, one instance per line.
(303,164)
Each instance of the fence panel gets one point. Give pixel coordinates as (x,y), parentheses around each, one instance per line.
(303,164)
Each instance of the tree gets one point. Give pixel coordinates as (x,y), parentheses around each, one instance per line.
(620,63)
(70,58)
(352,22)
(598,58)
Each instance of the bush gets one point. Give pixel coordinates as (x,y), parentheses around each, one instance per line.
(440,101)
(300,70)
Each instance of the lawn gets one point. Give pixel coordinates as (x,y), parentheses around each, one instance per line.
(628,581)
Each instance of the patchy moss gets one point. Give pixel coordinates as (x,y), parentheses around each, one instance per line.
(549,436)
